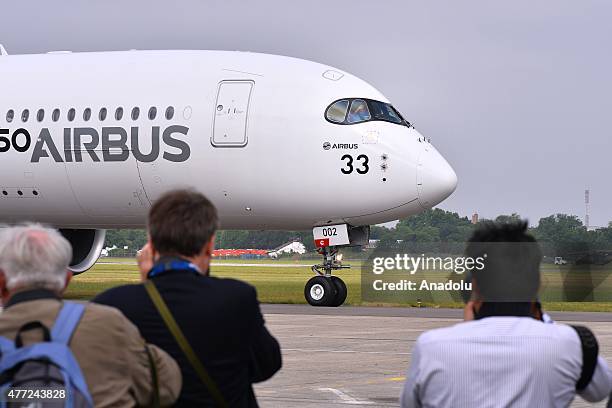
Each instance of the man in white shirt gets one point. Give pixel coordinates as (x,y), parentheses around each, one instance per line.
(504,355)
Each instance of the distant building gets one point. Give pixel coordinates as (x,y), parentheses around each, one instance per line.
(292,247)
(372,243)
(475,218)
(106,251)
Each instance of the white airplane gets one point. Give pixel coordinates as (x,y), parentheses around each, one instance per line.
(89,140)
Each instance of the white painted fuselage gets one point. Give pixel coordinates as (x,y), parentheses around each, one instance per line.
(247,130)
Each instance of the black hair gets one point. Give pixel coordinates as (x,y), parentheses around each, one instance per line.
(512,231)
(509,281)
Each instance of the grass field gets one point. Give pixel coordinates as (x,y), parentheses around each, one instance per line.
(274,284)
(286,284)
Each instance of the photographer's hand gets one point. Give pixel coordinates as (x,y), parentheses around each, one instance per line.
(146,260)
(468,311)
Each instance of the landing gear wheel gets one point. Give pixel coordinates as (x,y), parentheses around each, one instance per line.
(320,291)
(341,291)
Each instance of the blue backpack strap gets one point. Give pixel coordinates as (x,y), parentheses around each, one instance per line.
(67,320)
(6,345)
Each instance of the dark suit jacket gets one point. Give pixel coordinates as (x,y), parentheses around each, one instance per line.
(222,322)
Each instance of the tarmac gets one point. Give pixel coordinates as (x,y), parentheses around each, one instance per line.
(343,356)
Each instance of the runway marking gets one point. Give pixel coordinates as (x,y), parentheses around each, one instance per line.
(399,353)
(346,398)
(396,379)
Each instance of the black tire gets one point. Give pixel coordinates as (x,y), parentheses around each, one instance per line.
(320,291)
(341,291)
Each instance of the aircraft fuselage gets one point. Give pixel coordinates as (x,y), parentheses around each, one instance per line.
(90,140)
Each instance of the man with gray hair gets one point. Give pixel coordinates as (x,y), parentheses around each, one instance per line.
(116,362)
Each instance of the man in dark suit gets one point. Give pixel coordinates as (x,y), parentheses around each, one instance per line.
(220,318)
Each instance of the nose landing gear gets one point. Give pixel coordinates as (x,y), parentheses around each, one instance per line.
(325,289)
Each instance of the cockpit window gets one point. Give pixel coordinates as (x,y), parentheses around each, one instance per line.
(359,111)
(384,111)
(337,111)
(363,110)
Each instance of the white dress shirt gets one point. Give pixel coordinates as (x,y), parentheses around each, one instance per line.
(500,362)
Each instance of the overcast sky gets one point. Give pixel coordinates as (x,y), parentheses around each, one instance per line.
(517,95)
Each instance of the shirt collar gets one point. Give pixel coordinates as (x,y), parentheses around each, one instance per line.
(29,295)
(168,260)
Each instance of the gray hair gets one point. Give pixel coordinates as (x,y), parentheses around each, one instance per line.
(33,256)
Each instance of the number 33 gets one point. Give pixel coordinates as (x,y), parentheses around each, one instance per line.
(349,164)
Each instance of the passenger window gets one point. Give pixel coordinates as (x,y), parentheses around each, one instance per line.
(71,114)
(10,115)
(169,112)
(55,115)
(103,113)
(359,111)
(86,114)
(119,113)
(25,115)
(135,113)
(337,112)
(40,115)
(152,112)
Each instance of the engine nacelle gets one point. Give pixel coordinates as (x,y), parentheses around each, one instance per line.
(87,246)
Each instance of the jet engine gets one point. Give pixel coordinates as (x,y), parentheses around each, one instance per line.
(87,246)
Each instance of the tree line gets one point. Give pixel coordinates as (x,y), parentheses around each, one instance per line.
(563,234)
(559,234)
(228,239)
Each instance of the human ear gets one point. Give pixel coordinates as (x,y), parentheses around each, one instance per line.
(68,279)
(210,246)
(3,288)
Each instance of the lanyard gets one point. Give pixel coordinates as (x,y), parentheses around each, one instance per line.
(172,265)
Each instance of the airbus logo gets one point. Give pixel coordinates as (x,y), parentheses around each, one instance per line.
(340,146)
(108,145)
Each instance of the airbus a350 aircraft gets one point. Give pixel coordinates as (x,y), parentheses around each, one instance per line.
(89,140)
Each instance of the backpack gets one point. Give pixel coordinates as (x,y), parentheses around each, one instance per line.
(48,367)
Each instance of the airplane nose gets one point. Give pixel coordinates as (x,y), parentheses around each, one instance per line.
(436,179)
